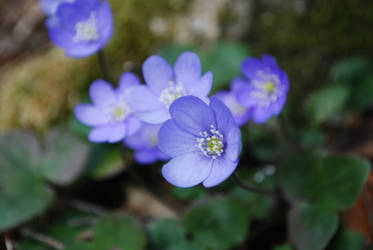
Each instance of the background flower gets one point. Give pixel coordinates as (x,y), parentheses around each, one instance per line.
(240,113)
(109,114)
(151,103)
(145,144)
(49,7)
(264,87)
(203,141)
(82,27)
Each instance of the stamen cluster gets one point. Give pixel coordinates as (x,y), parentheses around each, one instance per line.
(267,88)
(170,94)
(117,112)
(211,143)
(86,31)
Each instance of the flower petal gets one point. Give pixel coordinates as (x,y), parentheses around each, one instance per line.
(261,114)
(270,61)
(187,170)
(133,125)
(146,156)
(61,37)
(221,169)
(251,66)
(188,69)
(202,87)
(174,141)
(117,132)
(145,105)
(105,23)
(90,115)
(127,80)
(157,73)
(192,114)
(99,134)
(101,93)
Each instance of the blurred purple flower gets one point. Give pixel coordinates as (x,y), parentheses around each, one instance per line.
(240,113)
(82,27)
(109,114)
(203,141)
(264,89)
(49,7)
(145,144)
(151,102)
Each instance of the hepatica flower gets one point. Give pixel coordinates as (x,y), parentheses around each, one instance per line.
(82,27)
(264,87)
(240,113)
(203,141)
(145,144)
(109,112)
(49,7)
(151,102)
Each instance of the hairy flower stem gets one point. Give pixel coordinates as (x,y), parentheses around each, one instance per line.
(104,66)
(53,243)
(237,179)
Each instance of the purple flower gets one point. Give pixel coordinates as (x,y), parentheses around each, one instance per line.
(151,102)
(240,113)
(145,144)
(82,27)
(264,89)
(49,7)
(109,114)
(203,141)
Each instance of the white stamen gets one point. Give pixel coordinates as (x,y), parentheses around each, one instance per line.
(117,111)
(211,144)
(86,31)
(170,94)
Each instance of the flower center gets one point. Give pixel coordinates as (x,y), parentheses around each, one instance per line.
(267,88)
(170,94)
(86,31)
(118,112)
(211,143)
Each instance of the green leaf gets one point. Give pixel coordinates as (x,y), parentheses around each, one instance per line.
(171,52)
(362,95)
(166,233)
(326,102)
(347,240)
(118,231)
(351,70)
(104,161)
(189,193)
(310,227)
(283,247)
(22,192)
(224,61)
(219,224)
(334,182)
(64,157)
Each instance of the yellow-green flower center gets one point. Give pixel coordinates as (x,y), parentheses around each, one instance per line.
(211,143)
(86,31)
(269,87)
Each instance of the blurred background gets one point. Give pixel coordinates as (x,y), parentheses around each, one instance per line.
(326,47)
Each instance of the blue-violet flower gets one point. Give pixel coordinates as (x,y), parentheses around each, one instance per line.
(109,114)
(151,102)
(240,113)
(264,87)
(203,141)
(145,144)
(82,27)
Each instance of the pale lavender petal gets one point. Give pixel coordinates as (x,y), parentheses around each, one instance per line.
(233,144)
(133,125)
(127,80)
(146,156)
(155,116)
(240,113)
(101,93)
(61,37)
(105,24)
(261,114)
(174,141)
(187,170)
(90,115)
(157,73)
(251,66)
(270,61)
(221,169)
(140,98)
(117,132)
(192,114)
(202,87)
(188,69)
(99,134)
(223,116)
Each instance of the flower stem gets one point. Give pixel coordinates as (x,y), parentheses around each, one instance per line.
(53,243)
(104,66)
(237,179)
